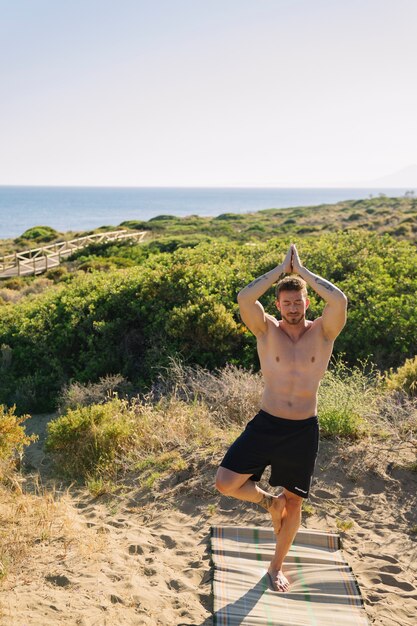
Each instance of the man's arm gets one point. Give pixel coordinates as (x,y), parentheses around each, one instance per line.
(251,310)
(334,312)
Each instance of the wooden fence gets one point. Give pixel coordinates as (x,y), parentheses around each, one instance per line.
(39,260)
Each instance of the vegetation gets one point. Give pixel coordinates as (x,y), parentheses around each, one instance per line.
(191,408)
(132,320)
(347,397)
(100,442)
(395,216)
(127,308)
(13,439)
(382,215)
(405,378)
(39,234)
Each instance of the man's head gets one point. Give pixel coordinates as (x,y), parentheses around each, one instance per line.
(291,299)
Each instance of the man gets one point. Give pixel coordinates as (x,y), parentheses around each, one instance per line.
(294,354)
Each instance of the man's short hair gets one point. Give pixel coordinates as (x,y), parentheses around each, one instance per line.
(290,283)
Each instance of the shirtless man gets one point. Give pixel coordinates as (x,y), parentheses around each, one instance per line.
(294,354)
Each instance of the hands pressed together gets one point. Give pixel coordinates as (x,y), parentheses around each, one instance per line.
(292,263)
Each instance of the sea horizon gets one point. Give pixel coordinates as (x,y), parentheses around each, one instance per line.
(82,208)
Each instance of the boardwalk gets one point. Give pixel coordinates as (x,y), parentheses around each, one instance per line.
(39,260)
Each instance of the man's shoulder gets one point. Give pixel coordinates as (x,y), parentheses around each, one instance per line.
(317,325)
(271,324)
(270,318)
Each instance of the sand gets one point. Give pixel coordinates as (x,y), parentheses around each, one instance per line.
(142,558)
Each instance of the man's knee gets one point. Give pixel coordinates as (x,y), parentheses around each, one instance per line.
(228,481)
(293,503)
(224,485)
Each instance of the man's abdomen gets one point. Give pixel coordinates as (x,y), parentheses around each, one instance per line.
(289,405)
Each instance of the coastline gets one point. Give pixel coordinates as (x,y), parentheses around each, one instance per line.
(84,208)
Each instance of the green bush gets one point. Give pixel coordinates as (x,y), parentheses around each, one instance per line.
(132,320)
(39,234)
(346,396)
(106,440)
(91,439)
(405,378)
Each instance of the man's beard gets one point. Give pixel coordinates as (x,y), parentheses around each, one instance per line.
(293,320)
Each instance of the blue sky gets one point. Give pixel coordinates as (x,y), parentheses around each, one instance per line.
(214,92)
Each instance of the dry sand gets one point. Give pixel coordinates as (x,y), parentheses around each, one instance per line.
(140,558)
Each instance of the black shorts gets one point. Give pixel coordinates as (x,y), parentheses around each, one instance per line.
(289,446)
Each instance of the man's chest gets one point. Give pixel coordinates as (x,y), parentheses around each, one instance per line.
(279,352)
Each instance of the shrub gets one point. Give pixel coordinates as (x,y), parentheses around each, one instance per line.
(75,394)
(164,218)
(104,440)
(16,283)
(12,438)
(89,440)
(131,321)
(405,378)
(346,397)
(39,234)
(57,273)
(9,295)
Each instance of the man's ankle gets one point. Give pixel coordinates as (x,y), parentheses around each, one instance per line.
(265,501)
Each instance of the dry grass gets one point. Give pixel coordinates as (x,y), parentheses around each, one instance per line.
(30,520)
(232,394)
(16,292)
(391,440)
(76,394)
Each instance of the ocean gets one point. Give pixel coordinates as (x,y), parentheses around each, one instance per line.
(85,208)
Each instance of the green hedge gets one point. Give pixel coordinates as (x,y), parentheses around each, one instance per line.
(131,320)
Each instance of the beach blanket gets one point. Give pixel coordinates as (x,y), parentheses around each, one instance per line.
(323,589)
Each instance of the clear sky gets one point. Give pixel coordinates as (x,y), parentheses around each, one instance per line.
(206,92)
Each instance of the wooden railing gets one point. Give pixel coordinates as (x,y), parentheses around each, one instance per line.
(39,260)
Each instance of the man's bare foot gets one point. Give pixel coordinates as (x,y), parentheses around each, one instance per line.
(279,582)
(275,506)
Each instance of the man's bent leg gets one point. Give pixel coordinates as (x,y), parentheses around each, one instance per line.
(290,524)
(240,486)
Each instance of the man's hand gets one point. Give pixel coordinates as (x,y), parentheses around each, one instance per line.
(296,263)
(287,263)
(334,313)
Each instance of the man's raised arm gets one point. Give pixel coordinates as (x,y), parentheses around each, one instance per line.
(334,313)
(251,310)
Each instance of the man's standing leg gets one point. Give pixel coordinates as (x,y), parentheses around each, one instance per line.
(291,521)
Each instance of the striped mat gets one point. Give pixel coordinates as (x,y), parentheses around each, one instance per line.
(323,589)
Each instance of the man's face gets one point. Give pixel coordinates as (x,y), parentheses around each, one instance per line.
(292,305)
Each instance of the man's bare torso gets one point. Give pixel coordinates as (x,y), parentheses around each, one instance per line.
(292,370)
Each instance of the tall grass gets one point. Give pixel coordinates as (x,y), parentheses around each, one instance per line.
(41,517)
(348,399)
(231,394)
(76,394)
